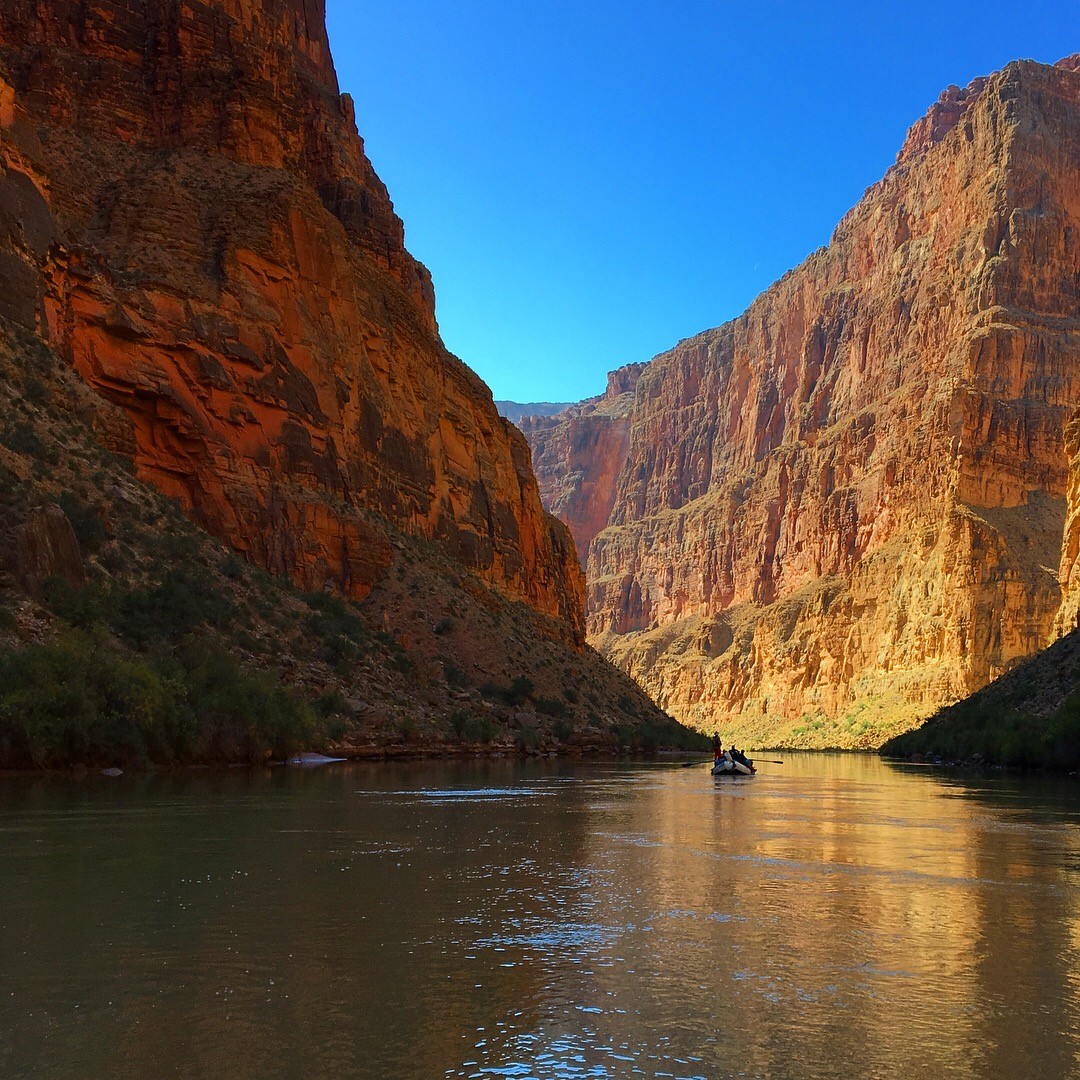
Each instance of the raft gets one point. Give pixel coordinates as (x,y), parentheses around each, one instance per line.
(729,767)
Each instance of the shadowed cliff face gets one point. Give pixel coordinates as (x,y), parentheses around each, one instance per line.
(845,507)
(188,216)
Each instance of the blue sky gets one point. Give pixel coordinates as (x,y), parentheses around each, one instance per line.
(591,181)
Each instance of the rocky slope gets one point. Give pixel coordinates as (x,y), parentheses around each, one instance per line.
(189,225)
(845,508)
(129,635)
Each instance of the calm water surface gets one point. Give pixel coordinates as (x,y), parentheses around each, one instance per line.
(834,916)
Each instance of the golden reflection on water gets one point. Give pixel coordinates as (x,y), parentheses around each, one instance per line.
(834,916)
(880,913)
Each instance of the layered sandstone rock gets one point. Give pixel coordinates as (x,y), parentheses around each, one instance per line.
(188,216)
(577,455)
(1068,617)
(845,508)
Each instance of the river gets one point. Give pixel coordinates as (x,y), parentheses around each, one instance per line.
(832,916)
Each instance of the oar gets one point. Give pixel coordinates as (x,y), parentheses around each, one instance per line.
(767,760)
(710,761)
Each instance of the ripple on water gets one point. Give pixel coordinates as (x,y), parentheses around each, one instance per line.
(451,795)
(585,1053)
(616,931)
(563,940)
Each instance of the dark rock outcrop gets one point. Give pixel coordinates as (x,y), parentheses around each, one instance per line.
(41,546)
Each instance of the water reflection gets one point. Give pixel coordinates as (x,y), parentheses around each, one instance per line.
(834,916)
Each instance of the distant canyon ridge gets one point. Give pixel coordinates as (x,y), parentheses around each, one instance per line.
(859,500)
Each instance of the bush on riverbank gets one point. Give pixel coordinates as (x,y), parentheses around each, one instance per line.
(79,699)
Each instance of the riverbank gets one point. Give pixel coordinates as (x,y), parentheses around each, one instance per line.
(442,753)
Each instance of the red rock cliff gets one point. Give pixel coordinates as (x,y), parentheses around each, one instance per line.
(189,217)
(577,456)
(845,508)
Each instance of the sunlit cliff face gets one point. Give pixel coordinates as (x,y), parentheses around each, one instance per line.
(845,508)
(194,225)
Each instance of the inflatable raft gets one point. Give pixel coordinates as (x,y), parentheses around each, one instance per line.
(728,766)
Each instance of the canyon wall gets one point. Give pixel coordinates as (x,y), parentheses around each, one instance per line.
(845,507)
(187,215)
(577,455)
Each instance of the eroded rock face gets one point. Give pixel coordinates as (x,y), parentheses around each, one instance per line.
(1068,617)
(187,214)
(577,456)
(845,508)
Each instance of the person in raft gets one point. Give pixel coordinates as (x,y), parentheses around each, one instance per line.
(717,749)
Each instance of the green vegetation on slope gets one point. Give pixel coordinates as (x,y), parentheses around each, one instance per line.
(1029,717)
(80,698)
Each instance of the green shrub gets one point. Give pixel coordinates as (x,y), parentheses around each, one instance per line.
(232,567)
(517,693)
(527,739)
(34,390)
(478,729)
(182,601)
(85,521)
(563,730)
(552,706)
(170,547)
(77,699)
(83,606)
(401,662)
(238,713)
(330,704)
(21,439)
(343,636)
